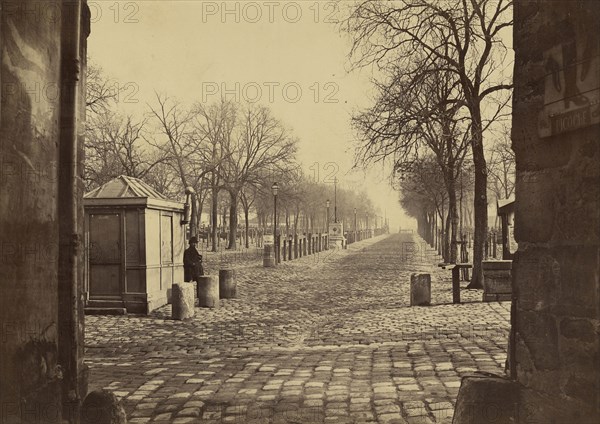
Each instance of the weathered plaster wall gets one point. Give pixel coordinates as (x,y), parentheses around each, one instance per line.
(29,130)
(35,363)
(557,223)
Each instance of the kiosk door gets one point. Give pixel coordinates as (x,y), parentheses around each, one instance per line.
(105,256)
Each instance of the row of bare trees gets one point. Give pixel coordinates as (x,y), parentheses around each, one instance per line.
(230,154)
(442,83)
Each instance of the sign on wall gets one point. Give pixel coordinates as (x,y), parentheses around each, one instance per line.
(571,84)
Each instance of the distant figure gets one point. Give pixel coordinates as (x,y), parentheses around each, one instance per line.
(192,262)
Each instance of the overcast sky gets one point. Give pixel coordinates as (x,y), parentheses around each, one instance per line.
(288,55)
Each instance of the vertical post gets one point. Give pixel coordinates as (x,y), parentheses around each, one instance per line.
(295,245)
(284,249)
(335,200)
(327,218)
(275,224)
(455,285)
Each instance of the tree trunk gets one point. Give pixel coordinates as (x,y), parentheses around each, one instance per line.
(233,220)
(452,215)
(480,199)
(247,226)
(296,216)
(194,219)
(214,216)
(447,237)
(432,229)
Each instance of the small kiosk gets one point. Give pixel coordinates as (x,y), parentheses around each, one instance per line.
(134,243)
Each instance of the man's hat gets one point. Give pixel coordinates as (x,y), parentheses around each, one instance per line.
(193,240)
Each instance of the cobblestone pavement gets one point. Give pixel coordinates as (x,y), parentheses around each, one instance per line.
(326,338)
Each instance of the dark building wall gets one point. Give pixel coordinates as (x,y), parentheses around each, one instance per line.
(557,222)
(36,364)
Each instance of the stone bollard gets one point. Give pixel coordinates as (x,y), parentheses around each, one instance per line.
(102,407)
(182,301)
(487,399)
(227,284)
(268,257)
(208,292)
(497,280)
(420,289)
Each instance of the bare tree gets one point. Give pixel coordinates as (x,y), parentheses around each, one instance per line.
(423,195)
(188,151)
(408,117)
(501,167)
(458,36)
(261,142)
(214,125)
(116,145)
(100,94)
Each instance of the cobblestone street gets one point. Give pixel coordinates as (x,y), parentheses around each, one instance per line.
(326,338)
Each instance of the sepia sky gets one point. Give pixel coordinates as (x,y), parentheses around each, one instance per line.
(288,55)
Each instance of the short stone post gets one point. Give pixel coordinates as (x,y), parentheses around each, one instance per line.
(102,407)
(305,245)
(310,244)
(420,289)
(290,248)
(208,292)
(227,284)
(182,299)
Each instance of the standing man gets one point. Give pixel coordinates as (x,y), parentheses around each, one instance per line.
(192,262)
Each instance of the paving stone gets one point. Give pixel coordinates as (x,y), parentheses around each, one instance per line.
(356,355)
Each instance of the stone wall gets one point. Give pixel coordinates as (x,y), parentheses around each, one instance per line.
(557,222)
(41,351)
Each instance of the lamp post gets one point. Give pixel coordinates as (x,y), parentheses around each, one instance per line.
(327,219)
(335,200)
(275,189)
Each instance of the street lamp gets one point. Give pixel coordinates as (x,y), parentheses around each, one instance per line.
(275,189)
(335,200)
(327,221)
